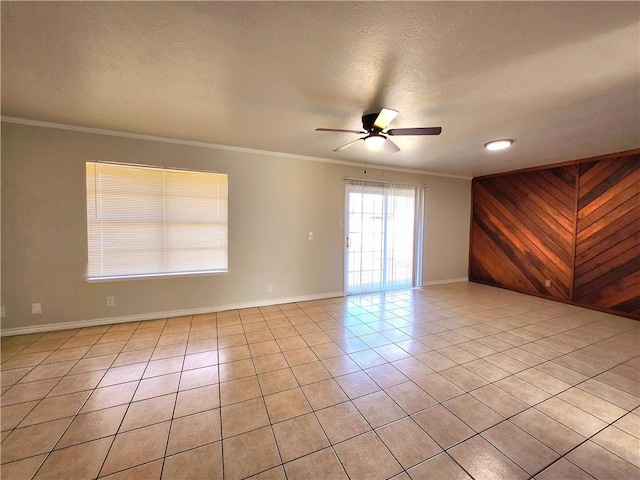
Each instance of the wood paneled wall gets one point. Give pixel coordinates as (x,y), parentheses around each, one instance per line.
(569,232)
(523,230)
(607,265)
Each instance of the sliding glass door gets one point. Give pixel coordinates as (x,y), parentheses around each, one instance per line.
(384,227)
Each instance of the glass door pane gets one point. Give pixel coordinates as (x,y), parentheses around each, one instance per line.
(380,232)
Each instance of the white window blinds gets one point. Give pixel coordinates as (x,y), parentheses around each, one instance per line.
(145,221)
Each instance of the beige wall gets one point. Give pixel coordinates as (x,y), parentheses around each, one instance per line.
(274,203)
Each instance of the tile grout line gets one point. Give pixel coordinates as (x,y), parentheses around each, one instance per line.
(175,402)
(587,439)
(219,400)
(44,460)
(104,461)
(282,463)
(457,364)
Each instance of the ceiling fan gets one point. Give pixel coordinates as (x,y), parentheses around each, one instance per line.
(374,124)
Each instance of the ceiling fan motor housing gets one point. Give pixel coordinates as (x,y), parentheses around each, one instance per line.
(368,120)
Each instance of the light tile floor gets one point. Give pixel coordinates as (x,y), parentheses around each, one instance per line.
(453,381)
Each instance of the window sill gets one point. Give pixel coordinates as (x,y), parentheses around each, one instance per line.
(153,276)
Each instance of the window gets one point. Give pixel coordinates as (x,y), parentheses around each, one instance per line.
(146,221)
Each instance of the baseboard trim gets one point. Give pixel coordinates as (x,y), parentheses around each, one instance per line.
(7,332)
(445,281)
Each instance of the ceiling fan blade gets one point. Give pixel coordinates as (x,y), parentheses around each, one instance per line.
(415,131)
(338,130)
(347,145)
(384,118)
(390,147)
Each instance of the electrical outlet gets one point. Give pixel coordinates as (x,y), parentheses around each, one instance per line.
(111,301)
(547,282)
(310,235)
(269,288)
(36,308)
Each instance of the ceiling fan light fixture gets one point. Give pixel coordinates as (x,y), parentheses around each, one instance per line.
(498,144)
(377,137)
(375,141)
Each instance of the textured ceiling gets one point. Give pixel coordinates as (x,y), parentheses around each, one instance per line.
(562,79)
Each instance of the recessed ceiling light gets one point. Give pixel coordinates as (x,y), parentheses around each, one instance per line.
(498,144)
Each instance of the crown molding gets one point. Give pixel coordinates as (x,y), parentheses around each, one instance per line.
(214,146)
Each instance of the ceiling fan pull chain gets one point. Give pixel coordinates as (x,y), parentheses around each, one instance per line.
(365,158)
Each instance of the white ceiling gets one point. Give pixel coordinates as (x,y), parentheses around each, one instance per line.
(560,78)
